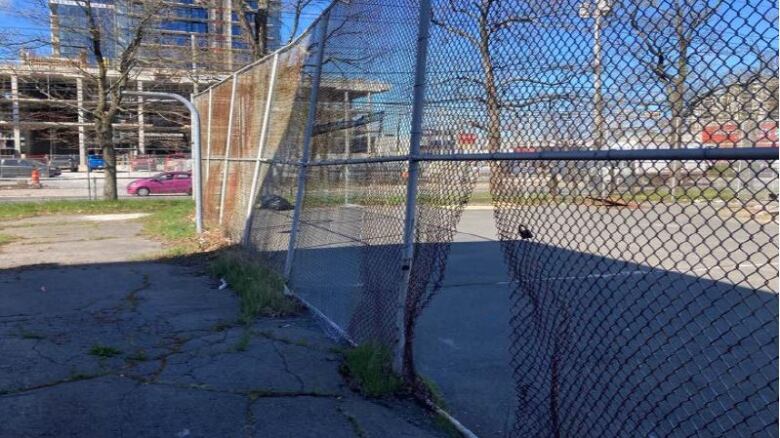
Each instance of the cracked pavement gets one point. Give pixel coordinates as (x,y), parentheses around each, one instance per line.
(152,349)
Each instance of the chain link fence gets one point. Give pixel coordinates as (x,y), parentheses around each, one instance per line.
(563,215)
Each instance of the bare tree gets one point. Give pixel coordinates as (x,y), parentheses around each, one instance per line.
(254,25)
(516,74)
(254,22)
(488,27)
(111,41)
(109,90)
(298,8)
(667,33)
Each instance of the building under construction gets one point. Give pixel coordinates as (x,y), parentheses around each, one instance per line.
(46,102)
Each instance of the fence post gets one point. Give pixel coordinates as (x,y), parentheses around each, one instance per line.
(208,139)
(228,139)
(411,184)
(308,133)
(261,143)
(347,146)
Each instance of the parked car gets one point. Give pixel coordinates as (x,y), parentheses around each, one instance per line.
(95,162)
(167,182)
(70,162)
(16,168)
(9,153)
(147,163)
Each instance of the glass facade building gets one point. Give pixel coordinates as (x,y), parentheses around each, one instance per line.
(185,25)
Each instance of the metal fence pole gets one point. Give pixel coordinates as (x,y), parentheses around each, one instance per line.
(261,143)
(347,146)
(208,138)
(228,139)
(411,185)
(197,184)
(308,133)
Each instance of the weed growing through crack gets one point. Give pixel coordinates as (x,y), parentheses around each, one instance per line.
(132,298)
(268,334)
(221,326)
(356,427)
(243,341)
(259,289)
(138,356)
(369,368)
(26,334)
(103,351)
(6,239)
(76,376)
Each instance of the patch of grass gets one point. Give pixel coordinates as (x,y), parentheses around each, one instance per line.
(369,367)
(26,334)
(138,356)
(260,290)
(5,239)
(680,194)
(432,392)
(19,210)
(173,223)
(76,376)
(243,341)
(104,351)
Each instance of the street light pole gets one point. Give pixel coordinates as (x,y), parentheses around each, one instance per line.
(195,147)
(597,12)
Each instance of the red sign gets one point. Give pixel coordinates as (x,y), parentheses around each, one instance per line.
(467,138)
(767,135)
(725,134)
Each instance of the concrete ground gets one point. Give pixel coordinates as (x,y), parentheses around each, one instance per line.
(96,344)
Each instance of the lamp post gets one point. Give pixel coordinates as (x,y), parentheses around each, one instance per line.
(597,11)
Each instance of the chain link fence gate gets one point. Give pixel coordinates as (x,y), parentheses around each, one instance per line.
(562,214)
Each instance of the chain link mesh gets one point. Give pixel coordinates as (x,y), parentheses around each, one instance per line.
(549,295)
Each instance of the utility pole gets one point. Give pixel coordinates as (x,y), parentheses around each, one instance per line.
(597,12)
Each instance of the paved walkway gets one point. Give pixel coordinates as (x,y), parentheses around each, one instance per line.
(111,349)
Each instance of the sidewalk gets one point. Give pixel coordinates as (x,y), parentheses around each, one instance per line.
(151,349)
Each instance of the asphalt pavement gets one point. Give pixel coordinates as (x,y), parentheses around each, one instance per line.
(97,344)
(651,321)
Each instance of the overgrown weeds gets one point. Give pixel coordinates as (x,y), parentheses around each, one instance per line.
(260,290)
(104,351)
(368,367)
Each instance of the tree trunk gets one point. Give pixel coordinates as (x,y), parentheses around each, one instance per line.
(105,142)
(676,95)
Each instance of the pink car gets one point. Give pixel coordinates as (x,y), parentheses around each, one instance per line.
(167,182)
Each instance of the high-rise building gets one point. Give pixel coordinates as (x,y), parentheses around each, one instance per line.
(186,30)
